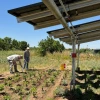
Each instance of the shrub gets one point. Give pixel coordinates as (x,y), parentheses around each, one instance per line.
(50,45)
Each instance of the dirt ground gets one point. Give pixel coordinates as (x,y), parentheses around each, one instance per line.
(49,94)
(5,75)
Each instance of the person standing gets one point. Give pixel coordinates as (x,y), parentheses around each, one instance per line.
(26,58)
(12,59)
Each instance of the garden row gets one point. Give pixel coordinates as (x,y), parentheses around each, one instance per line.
(33,84)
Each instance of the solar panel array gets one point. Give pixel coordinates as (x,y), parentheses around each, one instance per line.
(40,16)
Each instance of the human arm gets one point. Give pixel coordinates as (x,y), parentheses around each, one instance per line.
(20,63)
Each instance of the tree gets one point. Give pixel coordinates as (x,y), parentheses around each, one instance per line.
(50,45)
(23,45)
(7,42)
(2,45)
(15,44)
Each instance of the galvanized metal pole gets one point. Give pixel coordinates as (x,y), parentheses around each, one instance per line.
(78,55)
(61,2)
(55,10)
(73,61)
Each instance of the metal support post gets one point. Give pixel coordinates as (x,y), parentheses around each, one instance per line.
(78,55)
(73,61)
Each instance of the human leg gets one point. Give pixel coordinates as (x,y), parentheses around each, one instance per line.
(27,66)
(27,63)
(15,67)
(11,66)
(24,64)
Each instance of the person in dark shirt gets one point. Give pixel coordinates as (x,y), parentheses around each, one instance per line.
(26,58)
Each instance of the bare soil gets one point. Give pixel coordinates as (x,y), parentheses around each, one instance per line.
(40,96)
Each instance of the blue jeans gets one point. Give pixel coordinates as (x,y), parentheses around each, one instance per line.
(26,65)
(26,61)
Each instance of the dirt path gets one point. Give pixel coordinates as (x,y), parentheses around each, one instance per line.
(49,94)
(5,75)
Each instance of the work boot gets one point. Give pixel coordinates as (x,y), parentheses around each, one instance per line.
(16,71)
(11,72)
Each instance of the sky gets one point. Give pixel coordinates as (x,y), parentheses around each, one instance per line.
(9,27)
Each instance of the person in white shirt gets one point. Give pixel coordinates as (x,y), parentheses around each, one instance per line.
(12,62)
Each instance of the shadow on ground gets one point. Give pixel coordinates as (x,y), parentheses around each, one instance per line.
(87,86)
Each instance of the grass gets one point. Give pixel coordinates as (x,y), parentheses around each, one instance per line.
(49,61)
(90,64)
(87,60)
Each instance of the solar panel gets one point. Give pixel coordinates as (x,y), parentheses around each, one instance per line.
(40,16)
(84,37)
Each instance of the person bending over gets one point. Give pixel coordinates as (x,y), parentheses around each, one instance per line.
(12,59)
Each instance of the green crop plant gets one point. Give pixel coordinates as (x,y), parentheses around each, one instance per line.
(52,80)
(37,78)
(34,74)
(17,74)
(5,81)
(1,87)
(17,89)
(9,83)
(49,71)
(7,97)
(24,77)
(21,97)
(30,74)
(34,82)
(45,74)
(47,83)
(33,91)
(65,75)
(26,83)
(58,72)
(64,82)
(9,78)
(40,75)
(21,92)
(59,91)
(16,79)
(55,74)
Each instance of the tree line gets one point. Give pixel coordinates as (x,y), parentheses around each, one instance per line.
(46,45)
(8,43)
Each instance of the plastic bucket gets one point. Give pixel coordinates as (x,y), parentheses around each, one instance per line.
(62,67)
